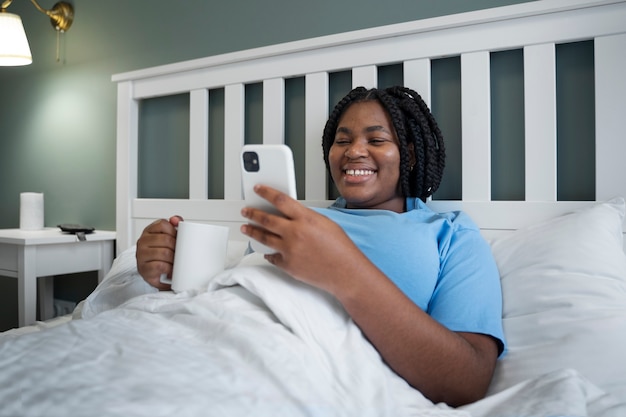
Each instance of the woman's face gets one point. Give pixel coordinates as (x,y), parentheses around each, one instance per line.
(365,158)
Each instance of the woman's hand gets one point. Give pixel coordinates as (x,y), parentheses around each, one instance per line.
(309,246)
(155,251)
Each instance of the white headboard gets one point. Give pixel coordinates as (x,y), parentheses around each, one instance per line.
(534,26)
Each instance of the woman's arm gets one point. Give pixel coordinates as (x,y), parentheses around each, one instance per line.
(445,366)
(455,368)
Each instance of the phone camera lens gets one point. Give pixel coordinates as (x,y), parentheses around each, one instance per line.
(251,161)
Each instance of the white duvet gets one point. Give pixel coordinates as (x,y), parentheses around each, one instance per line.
(256,343)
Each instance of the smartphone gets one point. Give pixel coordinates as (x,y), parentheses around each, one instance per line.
(270,165)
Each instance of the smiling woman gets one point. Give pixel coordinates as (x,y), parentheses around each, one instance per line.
(364,159)
(401,271)
(399,116)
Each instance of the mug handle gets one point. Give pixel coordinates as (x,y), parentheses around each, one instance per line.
(165,280)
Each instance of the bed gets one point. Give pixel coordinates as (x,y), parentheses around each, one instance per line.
(257,343)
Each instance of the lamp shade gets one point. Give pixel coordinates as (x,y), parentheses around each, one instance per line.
(14,49)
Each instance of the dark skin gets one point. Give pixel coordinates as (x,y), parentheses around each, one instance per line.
(446,366)
(155,251)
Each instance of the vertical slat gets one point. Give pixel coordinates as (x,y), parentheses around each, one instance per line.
(417,76)
(316,114)
(540,122)
(234,136)
(476,126)
(199,144)
(274,111)
(127,161)
(366,76)
(610,86)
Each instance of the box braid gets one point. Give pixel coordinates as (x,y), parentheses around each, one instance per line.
(414,124)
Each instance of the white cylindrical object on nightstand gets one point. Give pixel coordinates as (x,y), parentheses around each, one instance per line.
(31,211)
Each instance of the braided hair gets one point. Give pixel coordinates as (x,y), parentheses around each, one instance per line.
(414,124)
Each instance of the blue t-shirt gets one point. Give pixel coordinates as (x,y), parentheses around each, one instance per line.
(439,260)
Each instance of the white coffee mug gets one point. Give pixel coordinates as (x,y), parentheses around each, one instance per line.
(200,255)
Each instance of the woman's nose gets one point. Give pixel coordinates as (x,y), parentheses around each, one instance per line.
(356,149)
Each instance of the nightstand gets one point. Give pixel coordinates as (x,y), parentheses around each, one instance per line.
(28,255)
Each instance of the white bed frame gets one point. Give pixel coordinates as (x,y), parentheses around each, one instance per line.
(535,26)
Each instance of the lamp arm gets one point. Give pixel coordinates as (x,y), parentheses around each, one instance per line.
(61,15)
(5,4)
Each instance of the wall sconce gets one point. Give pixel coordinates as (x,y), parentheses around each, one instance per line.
(14,48)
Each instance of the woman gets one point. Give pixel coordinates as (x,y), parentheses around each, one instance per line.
(422,286)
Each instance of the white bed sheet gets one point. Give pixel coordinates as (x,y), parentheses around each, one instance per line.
(255,343)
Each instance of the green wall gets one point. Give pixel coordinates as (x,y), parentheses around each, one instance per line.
(57,126)
(57,119)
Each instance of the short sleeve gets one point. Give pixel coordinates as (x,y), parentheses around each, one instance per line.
(468,295)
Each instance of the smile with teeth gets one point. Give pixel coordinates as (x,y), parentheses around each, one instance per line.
(359,172)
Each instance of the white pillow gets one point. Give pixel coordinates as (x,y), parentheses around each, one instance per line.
(564,292)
